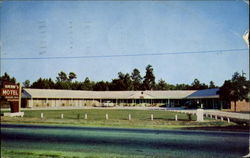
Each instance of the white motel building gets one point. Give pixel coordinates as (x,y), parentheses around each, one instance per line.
(32,98)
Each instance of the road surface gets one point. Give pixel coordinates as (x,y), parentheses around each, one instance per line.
(125,142)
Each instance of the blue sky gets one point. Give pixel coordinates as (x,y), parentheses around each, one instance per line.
(98,28)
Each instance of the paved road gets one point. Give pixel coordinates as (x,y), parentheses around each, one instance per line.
(126,142)
(244,116)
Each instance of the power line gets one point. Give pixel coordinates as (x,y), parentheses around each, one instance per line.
(124,55)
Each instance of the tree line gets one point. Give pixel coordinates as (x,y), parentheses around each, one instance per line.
(233,90)
(123,82)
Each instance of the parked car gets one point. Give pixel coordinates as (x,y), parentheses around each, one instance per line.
(108,104)
(191,104)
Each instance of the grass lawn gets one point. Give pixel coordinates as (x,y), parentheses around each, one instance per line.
(117,118)
(27,153)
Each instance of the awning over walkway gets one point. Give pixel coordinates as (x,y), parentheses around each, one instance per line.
(78,94)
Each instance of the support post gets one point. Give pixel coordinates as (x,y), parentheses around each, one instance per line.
(152,117)
(20,97)
(129,116)
(31,103)
(86,116)
(176,117)
(61,116)
(41,115)
(107,116)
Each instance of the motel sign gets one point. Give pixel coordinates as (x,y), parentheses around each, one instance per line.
(12,93)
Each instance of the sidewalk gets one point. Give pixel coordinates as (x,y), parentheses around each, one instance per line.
(243,116)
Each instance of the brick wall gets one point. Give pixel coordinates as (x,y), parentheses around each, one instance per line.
(241,106)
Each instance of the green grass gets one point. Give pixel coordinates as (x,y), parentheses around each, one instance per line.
(27,153)
(99,114)
(117,118)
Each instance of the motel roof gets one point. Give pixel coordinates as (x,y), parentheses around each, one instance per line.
(79,94)
(205,93)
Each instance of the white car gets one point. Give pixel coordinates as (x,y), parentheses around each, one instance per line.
(108,104)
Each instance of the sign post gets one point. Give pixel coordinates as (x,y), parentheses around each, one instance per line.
(12,93)
(200,113)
